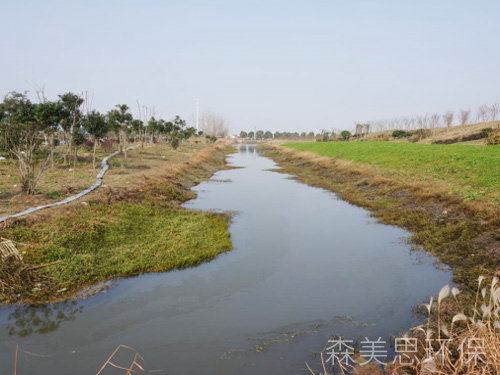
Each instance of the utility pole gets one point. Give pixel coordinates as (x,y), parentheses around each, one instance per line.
(197,115)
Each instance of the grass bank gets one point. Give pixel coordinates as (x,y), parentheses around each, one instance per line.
(446,195)
(471,171)
(132,226)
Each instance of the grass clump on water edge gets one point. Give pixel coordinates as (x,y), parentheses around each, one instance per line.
(121,231)
(110,241)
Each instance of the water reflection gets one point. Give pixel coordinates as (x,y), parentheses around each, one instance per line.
(41,318)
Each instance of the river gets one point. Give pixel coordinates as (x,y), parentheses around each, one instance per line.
(305,266)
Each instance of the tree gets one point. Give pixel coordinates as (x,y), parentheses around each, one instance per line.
(268,135)
(251,134)
(259,134)
(71,116)
(346,135)
(21,136)
(243,134)
(119,120)
(448,119)
(49,115)
(78,139)
(464,116)
(96,125)
(213,124)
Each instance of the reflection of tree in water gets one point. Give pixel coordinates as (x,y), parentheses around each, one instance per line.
(28,319)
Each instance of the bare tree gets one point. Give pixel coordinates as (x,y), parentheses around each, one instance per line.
(213,124)
(448,119)
(464,116)
(494,112)
(434,120)
(482,113)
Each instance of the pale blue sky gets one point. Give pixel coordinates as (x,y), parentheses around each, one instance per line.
(278,65)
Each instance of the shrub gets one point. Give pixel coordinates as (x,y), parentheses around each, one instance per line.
(346,134)
(420,134)
(486,132)
(494,137)
(401,134)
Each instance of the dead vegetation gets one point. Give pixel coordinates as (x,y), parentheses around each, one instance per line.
(457,338)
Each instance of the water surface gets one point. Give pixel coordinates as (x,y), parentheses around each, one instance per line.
(305,266)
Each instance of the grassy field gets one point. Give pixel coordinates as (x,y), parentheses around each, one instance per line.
(471,171)
(133,225)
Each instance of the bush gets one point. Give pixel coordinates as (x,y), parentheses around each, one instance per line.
(494,137)
(401,134)
(486,132)
(346,135)
(420,134)
(174,143)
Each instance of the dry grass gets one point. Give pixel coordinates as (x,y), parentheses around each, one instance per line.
(441,134)
(123,360)
(455,339)
(62,180)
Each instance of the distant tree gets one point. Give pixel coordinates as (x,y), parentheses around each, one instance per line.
(96,125)
(119,120)
(311,134)
(303,134)
(260,134)
(214,124)
(268,135)
(448,119)
(154,127)
(243,134)
(138,128)
(21,137)
(346,135)
(251,135)
(71,116)
(464,116)
(78,139)
(49,115)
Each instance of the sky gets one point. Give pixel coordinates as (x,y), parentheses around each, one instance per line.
(273,65)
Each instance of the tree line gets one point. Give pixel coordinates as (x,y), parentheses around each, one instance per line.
(484,113)
(261,134)
(36,133)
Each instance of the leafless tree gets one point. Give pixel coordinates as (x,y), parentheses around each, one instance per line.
(448,118)
(434,120)
(464,116)
(494,112)
(422,121)
(213,124)
(482,114)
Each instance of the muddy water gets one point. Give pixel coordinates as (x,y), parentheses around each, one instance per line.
(306,266)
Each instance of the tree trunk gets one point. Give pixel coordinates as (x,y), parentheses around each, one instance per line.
(93,156)
(74,160)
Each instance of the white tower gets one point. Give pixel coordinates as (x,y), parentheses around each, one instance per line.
(197,115)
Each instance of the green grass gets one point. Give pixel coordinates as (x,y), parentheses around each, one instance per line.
(472,171)
(100,242)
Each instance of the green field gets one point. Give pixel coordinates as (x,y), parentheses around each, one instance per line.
(472,171)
